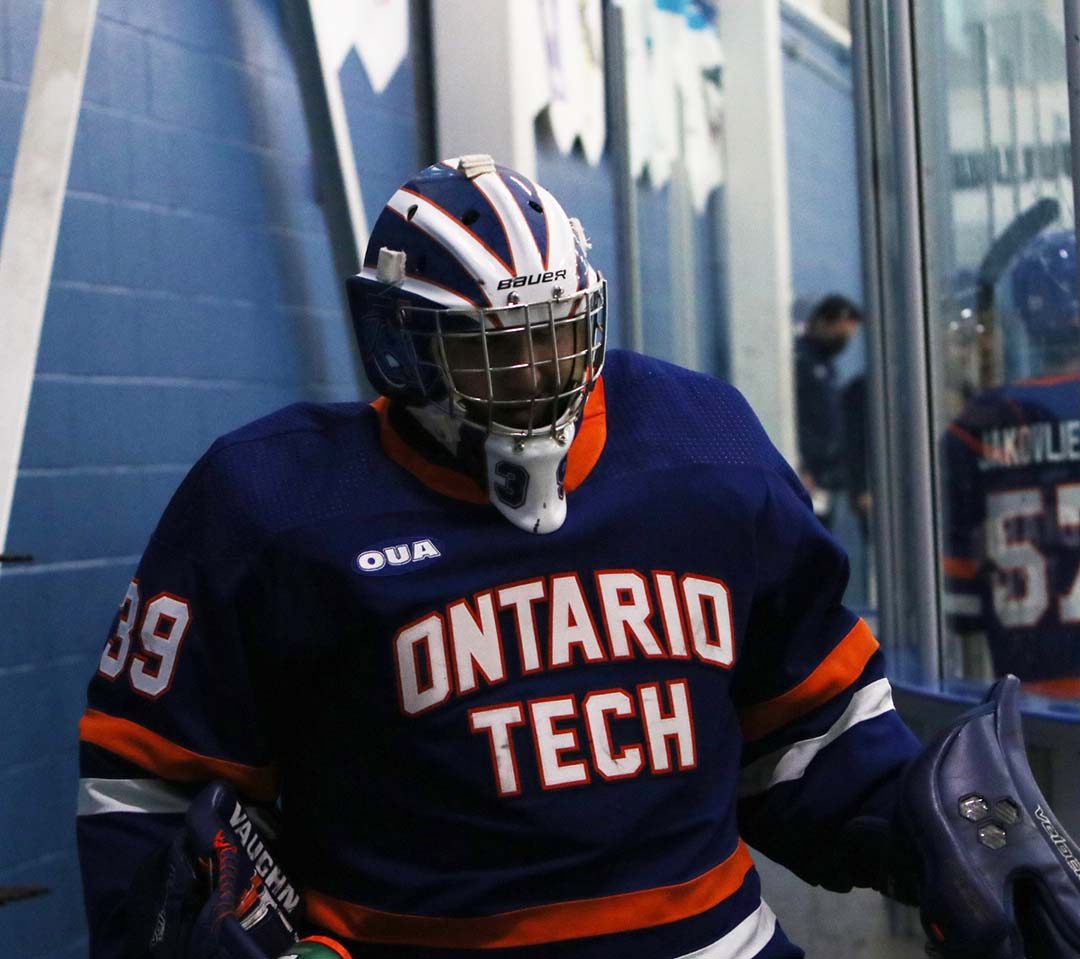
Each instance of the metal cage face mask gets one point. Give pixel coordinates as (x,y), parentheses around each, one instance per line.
(524,369)
(521,370)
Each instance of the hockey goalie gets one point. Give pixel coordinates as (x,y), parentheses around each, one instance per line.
(521,660)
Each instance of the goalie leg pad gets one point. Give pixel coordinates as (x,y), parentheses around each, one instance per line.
(1000,877)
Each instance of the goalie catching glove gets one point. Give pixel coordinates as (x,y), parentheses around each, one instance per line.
(1000,877)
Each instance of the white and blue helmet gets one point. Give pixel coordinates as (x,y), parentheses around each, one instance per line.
(478,307)
(469,250)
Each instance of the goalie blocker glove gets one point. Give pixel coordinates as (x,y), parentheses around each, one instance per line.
(1000,876)
(218,892)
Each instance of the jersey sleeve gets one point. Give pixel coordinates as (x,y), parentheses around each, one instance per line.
(178,700)
(823,747)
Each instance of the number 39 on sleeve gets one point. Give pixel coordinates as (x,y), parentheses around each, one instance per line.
(160,630)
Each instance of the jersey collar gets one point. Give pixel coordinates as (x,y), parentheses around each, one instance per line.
(450,480)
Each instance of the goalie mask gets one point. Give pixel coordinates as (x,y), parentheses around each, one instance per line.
(478,308)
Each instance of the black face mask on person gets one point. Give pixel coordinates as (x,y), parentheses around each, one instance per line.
(830,346)
(831,336)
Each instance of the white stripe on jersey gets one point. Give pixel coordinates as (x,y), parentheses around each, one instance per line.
(745,941)
(785,765)
(97,796)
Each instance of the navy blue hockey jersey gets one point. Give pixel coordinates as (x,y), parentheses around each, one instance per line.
(487,742)
(1013,528)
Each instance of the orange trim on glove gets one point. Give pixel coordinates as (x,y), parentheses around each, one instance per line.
(330,944)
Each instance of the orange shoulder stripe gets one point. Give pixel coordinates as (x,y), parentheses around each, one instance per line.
(166,759)
(835,673)
(536,925)
(583,456)
(973,443)
(589,443)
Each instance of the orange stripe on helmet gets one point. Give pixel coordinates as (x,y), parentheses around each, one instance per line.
(453,254)
(836,672)
(536,925)
(166,759)
(457,223)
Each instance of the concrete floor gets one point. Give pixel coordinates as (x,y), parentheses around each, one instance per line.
(858,925)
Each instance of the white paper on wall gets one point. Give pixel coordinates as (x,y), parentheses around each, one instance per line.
(703,114)
(574,47)
(378,30)
(638,54)
(531,61)
(673,66)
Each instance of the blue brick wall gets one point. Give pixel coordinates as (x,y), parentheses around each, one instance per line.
(711,288)
(385,133)
(19,21)
(823,183)
(654,253)
(193,289)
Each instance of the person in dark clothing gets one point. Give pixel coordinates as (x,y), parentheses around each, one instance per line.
(822,453)
(858,455)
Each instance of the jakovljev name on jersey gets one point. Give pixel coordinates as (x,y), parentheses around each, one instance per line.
(1012,525)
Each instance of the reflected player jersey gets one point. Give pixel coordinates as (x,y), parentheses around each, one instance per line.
(1013,528)
(487,742)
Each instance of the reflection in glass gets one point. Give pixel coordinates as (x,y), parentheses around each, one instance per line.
(833,457)
(1005,341)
